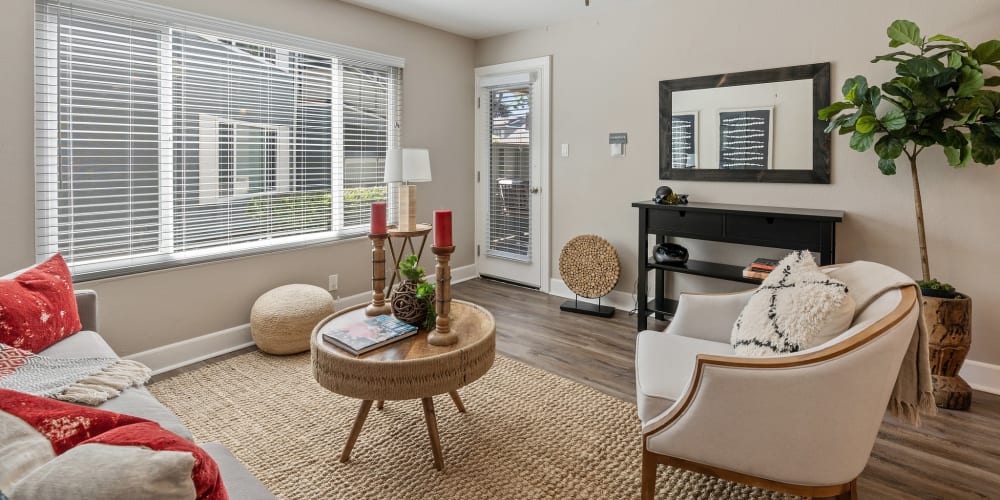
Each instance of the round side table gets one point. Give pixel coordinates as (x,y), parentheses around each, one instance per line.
(420,231)
(407,369)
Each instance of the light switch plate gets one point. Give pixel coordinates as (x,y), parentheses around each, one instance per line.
(565,150)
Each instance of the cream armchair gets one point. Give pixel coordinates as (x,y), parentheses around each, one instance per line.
(802,423)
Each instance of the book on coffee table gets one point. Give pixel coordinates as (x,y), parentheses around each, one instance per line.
(372,333)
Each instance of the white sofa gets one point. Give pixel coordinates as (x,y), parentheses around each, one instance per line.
(803,423)
(139,402)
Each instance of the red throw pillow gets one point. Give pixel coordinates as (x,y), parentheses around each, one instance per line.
(38,307)
(67,426)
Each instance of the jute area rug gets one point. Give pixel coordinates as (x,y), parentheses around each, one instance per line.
(527,434)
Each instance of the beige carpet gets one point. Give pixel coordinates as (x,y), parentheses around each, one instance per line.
(527,434)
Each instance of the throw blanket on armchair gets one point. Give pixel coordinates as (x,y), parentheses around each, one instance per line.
(90,381)
(913,393)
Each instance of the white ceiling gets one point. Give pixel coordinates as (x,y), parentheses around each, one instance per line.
(486,18)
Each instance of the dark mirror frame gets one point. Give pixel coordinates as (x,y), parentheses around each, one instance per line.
(820,171)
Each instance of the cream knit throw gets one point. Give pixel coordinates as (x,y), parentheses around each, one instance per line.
(913,393)
(90,381)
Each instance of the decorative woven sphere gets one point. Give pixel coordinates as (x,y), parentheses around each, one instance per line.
(589,266)
(406,306)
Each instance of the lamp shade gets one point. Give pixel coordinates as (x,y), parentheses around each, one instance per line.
(393,165)
(416,165)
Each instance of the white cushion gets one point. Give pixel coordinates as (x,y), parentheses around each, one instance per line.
(111,472)
(22,450)
(664,363)
(792,310)
(79,345)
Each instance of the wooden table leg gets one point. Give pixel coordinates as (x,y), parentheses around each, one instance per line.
(458,401)
(359,422)
(380,404)
(432,430)
(395,268)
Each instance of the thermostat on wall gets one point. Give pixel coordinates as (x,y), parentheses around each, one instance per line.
(618,140)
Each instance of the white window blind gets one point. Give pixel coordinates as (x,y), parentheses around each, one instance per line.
(166,138)
(509,122)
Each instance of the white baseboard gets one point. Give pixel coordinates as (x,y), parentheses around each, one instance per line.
(982,376)
(460,274)
(617,298)
(351,300)
(179,354)
(172,356)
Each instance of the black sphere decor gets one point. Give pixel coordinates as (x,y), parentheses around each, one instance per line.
(662,193)
(670,253)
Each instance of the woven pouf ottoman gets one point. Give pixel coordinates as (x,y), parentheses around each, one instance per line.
(282,319)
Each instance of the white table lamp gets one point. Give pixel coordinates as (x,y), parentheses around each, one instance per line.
(407,165)
(393,165)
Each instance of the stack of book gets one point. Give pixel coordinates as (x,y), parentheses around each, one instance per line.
(759,268)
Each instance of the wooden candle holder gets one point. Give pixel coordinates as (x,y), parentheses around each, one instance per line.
(378,305)
(442,334)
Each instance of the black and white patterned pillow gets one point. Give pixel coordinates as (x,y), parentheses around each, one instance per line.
(791,309)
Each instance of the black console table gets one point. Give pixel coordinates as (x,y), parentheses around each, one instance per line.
(777,227)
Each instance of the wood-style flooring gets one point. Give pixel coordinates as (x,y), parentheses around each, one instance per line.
(954,455)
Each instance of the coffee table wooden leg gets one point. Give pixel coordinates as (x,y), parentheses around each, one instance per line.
(458,401)
(359,422)
(379,405)
(432,430)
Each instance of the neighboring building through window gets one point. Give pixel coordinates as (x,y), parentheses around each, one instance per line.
(165,142)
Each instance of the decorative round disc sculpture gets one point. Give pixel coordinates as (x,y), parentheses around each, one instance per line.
(589,266)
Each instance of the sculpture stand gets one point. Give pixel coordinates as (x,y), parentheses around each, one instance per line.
(378,305)
(574,305)
(442,334)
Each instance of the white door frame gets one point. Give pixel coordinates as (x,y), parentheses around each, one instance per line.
(541,106)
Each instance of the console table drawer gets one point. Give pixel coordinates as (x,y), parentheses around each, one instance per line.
(688,222)
(776,231)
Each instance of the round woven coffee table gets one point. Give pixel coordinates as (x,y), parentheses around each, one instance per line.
(408,369)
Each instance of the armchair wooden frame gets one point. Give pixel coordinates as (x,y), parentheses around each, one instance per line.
(650,460)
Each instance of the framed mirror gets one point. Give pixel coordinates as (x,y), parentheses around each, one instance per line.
(754,126)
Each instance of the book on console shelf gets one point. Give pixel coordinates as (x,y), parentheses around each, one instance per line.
(750,272)
(372,333)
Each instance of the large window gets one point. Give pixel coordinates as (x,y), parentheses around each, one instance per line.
(165,138)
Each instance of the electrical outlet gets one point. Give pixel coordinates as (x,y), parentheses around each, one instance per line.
(333,283)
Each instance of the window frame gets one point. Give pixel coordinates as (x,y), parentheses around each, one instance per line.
(48,142)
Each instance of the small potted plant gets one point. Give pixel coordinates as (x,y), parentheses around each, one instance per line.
(413,299)
(939,96)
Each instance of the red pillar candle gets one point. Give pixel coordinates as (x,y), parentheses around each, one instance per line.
(378,218)
(442,228)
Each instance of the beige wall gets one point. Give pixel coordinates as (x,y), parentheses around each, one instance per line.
(605,73)
(150,310)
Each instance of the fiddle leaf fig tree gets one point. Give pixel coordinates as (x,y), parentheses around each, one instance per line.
(939,96)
